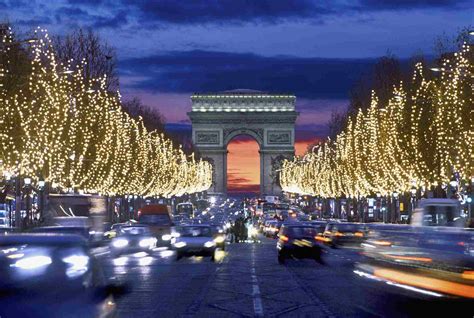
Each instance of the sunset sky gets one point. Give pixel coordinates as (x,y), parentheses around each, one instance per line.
(168,49)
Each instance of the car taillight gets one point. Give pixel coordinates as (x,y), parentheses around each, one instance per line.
(359,234)
(284,238)
(339,234)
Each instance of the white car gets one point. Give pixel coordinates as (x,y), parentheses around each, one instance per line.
(3,222)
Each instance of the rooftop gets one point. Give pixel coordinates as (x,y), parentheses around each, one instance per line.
(243,100)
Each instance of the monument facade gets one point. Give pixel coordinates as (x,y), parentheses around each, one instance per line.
(269,118)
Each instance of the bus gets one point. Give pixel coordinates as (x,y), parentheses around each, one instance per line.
(185,209)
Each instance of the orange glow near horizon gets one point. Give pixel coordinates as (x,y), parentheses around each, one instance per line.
(243,163)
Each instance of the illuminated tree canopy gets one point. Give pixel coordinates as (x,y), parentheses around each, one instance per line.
(418,140)
(72,132)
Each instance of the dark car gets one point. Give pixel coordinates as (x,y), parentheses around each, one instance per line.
(52,275)
(298,240)
(337,234)
(133,238)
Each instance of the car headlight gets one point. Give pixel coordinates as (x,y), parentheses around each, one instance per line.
(219,239)
(78,265)
(166,237)
(180,244)
(119,243)
(33,262)
(147,242)
(209,244)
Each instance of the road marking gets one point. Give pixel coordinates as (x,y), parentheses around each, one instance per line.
(257,300)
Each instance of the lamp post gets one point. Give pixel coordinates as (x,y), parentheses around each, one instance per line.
(395,208)
(41,188)
(453,184)
(27,182)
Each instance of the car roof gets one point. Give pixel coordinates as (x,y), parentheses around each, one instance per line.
(42,239)
(135,225)
(58,227)
(296,225)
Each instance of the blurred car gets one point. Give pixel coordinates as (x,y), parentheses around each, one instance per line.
(132,239)
(194,240)
(52,275)
(3,222)
(298,240)
(338,234)
(272,228)
(434,255)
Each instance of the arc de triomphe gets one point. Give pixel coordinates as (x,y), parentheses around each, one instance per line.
(268,118)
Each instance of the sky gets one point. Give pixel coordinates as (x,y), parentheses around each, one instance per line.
(315,49)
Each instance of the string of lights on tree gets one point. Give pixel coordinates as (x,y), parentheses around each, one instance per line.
(417,141)
(73,133)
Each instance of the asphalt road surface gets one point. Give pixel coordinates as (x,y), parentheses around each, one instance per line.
(247,281)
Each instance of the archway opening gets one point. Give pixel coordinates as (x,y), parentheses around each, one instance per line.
(243,166)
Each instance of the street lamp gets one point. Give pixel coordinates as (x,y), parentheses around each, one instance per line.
(395,203)
(469,201)
(413,198)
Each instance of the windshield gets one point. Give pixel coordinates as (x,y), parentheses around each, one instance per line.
(194,231)
(299,231)
(347,227)
(155,219)
(185,208)
(443,216)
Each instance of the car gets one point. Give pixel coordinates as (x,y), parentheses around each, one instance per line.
(272,228)
(298,240)
(33,263)
(338,234)
(132,239)
(3,222)
(194,240)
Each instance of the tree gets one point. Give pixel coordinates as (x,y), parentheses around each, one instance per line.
(445,44)
(15,64)
(152,118)
(85,45)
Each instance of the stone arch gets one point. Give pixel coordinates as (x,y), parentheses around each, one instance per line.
(256,134)
(217,118)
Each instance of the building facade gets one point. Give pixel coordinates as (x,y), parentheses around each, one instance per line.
(269,118)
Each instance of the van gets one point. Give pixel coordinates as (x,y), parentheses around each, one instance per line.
(158,218)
